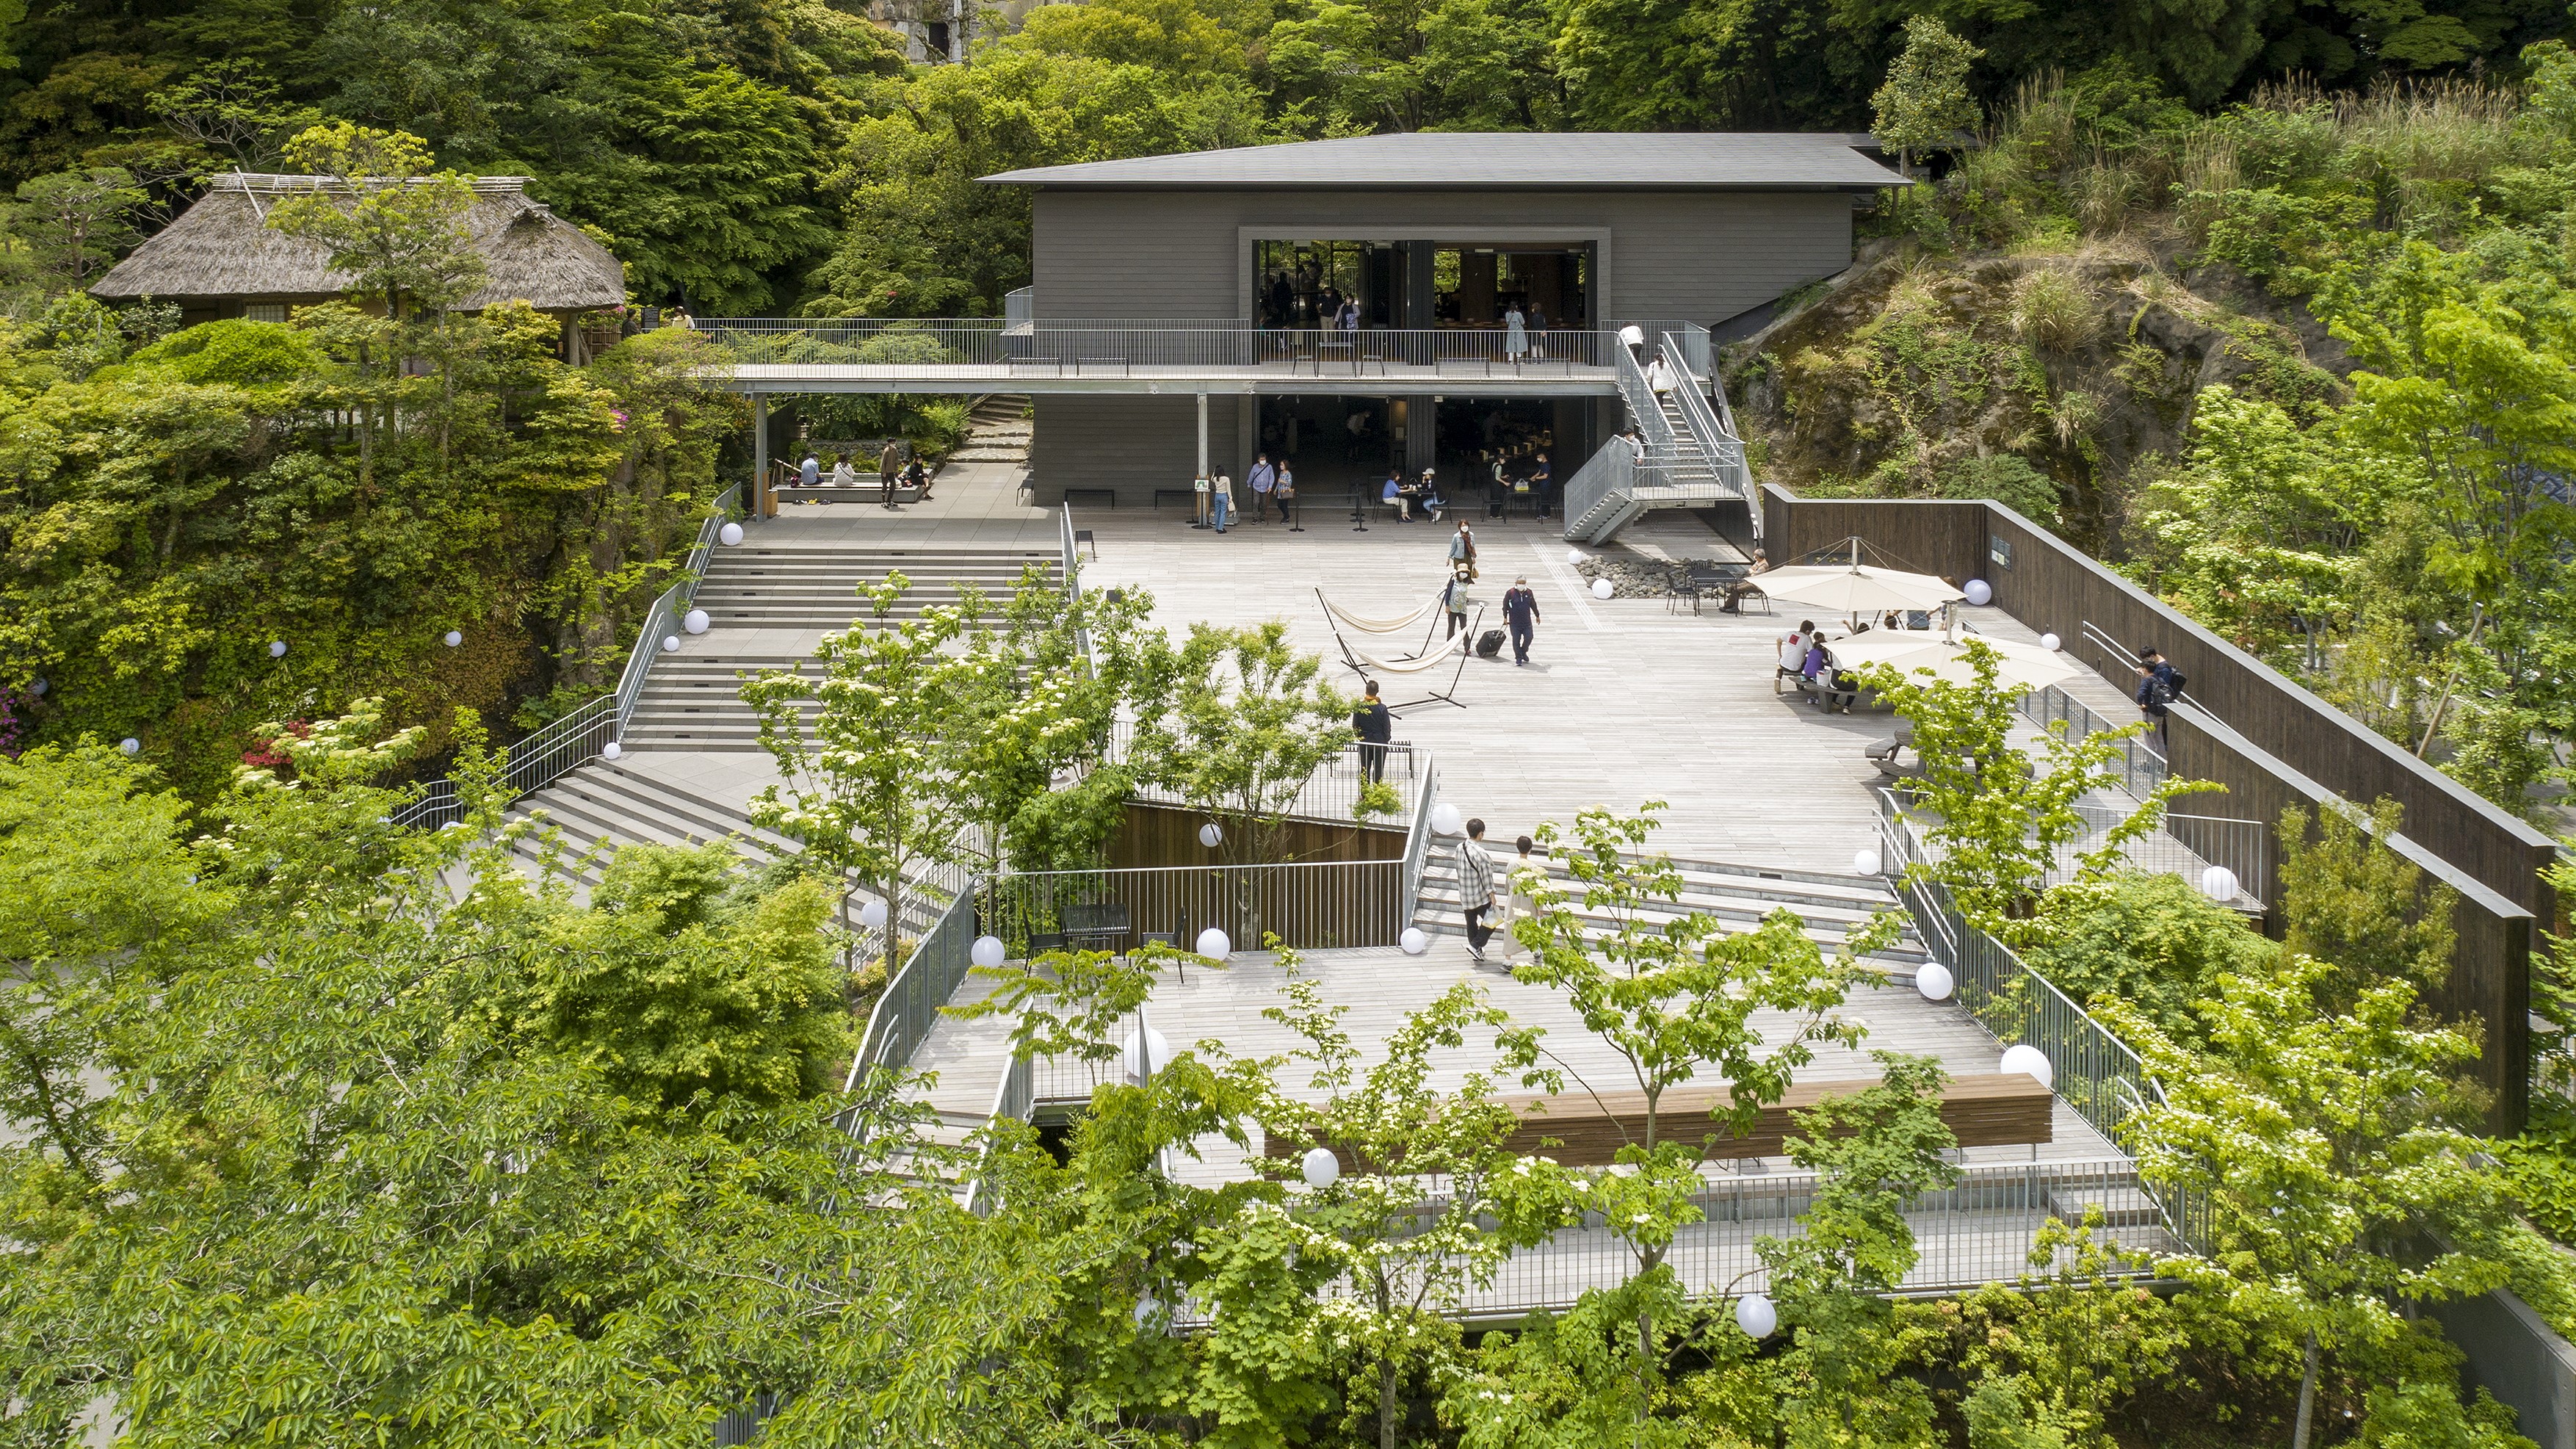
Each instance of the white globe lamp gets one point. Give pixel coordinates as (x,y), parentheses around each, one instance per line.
(695,621)
(1445,820)
(1979,592)
(730,535)
(1143,1056)
(670,643)
(1212,942)
(612,751)
(1413,941)
(873,915)
(1933,980)
(1320,1168)
(1574,556)
(2029,1061)
(1211,836)
(276,648)
(1865,861)
(987,952)
(1603,588)
(1755,1315)
(454,638)
(2050,642)
(2219,884)
(39,687)
(130,745)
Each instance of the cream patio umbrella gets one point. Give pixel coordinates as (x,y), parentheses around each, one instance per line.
(1909,650)
(1855,588)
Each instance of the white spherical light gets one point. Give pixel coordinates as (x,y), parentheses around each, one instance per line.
(1445,820)
(2219,883)
(872,915)
(1574,556)
(1979,592)
(39,687)
(1143,1056)
(1865,861)
(1933,980)
(1210,836)
(276,648)
(2029,1061)
(454,638)
(987,951)
(612,751)
(2050,642)
(695,621)
(130,745)
(1413,941)
(1603,588)
(1212,942)
(670,643)
(1320,1168)
(1755,1315)
(729,535)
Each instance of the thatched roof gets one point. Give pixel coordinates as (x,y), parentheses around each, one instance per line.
(223,247)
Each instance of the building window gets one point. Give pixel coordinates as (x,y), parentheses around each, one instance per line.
(264,312)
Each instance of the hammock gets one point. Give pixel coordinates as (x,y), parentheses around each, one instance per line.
(1377,626)
(1459,645)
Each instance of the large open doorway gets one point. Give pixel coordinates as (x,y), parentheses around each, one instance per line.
(1429,285)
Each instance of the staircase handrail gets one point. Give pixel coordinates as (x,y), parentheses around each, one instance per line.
(1639,395)
(1610,472)
(1073,589)
(1713,439)
(574,740)
(1417,838)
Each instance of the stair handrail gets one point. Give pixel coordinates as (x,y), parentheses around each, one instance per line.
(1073,589)
(1639,395)
(574,740)
(1713,439)
(1609,473)
(1417,838)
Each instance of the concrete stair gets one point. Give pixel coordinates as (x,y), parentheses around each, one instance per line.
(1739,896)
(997,431)
(815,585)
(694,702)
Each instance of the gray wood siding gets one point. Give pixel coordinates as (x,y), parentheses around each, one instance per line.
(1696,256)
(1133,444)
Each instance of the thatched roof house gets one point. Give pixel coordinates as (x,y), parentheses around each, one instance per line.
(221,259)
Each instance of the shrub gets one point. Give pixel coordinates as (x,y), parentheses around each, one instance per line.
(2148,937)
(2006,479)
(2052,311)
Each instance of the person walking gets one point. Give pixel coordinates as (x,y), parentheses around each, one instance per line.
(1462,551)
(1262,479)
(1520,901)
(1221,500)
(1515,334)
(1286,491)
(1374,723)
(1540,480)
(1476,888)
(2154,693)
(889,464)
(1520,610)
(1454,597)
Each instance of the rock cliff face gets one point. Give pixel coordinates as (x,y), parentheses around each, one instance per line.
(1913,375)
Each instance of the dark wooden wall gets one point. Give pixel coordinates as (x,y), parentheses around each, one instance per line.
(2272,743)
(1157,835)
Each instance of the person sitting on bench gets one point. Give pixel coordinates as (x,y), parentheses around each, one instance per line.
(1738,591)
(1833,688)
(1793,654)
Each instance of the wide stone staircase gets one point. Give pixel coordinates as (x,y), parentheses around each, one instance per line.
(1739,896)
(809,585)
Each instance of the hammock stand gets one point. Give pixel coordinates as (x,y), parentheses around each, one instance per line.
(1460,644)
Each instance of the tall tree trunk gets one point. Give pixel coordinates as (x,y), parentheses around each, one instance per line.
(2307,1395)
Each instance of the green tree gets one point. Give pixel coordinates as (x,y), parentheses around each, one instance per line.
(393,226)
(2348,897)
(2322,1141)
(73,224)
(2149,938)
(1925,100)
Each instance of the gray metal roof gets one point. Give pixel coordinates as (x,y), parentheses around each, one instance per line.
(1500,161)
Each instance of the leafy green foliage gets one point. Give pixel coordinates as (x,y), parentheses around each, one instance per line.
(2146,938)
(1925,99)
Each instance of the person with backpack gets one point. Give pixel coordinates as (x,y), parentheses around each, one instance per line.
(1454,597)
(2154,694)
(1374,723)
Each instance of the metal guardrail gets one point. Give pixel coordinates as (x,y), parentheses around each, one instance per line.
(1013,1101)
(1310,905)
(1720,449)
(908,1008)
(2096,1073)
(1417,841)
(574,740)
(1606,480)
(1329,794)
(1106,346)
(2140,769)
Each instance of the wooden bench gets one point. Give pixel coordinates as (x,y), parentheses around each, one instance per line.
(1105,497)
(1991,1109)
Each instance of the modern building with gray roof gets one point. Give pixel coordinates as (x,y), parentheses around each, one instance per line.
(1491,161)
